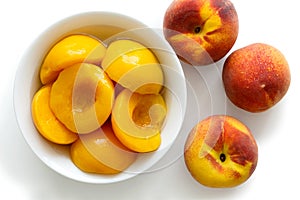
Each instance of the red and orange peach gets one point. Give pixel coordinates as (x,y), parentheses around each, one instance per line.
(220,151)
(201,31)
(256,77)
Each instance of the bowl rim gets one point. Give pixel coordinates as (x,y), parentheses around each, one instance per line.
(18,104)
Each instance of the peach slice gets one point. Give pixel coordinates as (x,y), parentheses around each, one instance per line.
(82,97)
(137,120)
(101,152)
(70,50)
(46,122)
(133,66)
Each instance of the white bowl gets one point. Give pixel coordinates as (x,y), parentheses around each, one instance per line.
(106,26)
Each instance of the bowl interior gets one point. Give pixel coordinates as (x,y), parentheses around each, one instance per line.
(106,26)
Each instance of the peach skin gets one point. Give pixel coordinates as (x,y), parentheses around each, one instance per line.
(220,151)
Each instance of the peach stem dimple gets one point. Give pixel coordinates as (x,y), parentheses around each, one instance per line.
(222,157)
(197,29)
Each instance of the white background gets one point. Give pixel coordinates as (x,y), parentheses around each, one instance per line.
(24,176)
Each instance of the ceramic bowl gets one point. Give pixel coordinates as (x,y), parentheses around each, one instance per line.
(106,26)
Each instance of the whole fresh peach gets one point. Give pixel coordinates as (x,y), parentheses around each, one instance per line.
(220,151)
(201,31)
(256,77)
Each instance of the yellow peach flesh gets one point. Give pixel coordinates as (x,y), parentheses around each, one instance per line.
(101,152)
(137,120)
(46,122)
(68,51)
(133,66)
(82,97)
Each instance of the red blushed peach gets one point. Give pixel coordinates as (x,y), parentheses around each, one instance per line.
(256,77)
(201,31)
(220,151)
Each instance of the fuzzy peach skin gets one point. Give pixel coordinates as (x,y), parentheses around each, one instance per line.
(220,151)
(201,31)
(256,77)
